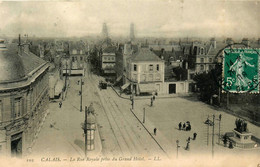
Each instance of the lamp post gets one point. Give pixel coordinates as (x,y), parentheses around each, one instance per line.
(85,129)
(177,145)
(219,119)
(81,83)
(144,116)
(213,136)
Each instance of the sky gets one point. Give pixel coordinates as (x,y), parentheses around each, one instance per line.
(152,18)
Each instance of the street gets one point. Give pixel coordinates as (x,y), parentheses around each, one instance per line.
(122,131)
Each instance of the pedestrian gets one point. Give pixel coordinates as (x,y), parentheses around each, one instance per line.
(188,140)
(132,103)
(188,127)
(151,102)
(154,131)
(194,136)
(153,97)
(60,104)
(78,82)
(187,146)
(230,145)
(225,140)
(180,125)
(184,126)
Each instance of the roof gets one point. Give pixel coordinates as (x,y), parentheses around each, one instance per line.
(145,54)
(31,62)
(14,67)
(109,49)
(11,65)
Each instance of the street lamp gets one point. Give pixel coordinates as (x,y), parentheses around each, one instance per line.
(81,83)
(177,145)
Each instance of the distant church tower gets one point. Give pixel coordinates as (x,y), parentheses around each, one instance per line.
(104,31)
(132,32)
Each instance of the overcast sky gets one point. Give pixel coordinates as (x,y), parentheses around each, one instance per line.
(171,18)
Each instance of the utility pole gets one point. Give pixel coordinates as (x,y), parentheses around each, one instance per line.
(219,128)
(208,131)
(85,130)
(81,94)
(213,136)
(144,116)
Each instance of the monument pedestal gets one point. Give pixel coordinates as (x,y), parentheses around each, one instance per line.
(242,140)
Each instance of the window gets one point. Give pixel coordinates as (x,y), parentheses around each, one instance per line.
(135,77)
(105,58)
(81,58)
(150,77)
(210,60)
(135,67)
(17,110)
(73,59)
(158,77)
(143,77)
(108,58)
(150,67)
(202,51)
(157,67)
(202,60)
(201,67)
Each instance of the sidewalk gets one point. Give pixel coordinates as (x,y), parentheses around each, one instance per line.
(161,96)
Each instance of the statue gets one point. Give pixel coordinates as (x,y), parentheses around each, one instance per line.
(241,125)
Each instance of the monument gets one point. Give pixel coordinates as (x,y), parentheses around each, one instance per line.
(241,136)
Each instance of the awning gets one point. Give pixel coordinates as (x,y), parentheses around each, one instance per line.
(147,88)
(119,78)
(125,86)
(58,88)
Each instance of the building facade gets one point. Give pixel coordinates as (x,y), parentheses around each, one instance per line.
(145,72)
(24,97)
(108,60)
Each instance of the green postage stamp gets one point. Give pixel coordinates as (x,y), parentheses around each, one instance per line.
(241,70)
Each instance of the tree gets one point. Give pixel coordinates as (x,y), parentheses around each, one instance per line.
(209,83)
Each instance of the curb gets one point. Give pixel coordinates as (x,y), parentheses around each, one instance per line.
(148,132)
(145,98)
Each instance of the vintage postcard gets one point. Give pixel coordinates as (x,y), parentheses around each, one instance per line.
(130,83)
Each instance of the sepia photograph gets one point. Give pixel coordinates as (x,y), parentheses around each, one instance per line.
(130,83)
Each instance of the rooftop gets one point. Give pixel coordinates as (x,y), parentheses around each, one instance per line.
(145,54)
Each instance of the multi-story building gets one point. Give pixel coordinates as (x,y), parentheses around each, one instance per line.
(78,58)
(144,72)
(108,60)
(24,97)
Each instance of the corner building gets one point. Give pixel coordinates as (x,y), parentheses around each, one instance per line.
(24,97)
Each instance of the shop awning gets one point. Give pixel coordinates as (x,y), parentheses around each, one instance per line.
(147,88)
(125,86)
(119,78)
(58,88)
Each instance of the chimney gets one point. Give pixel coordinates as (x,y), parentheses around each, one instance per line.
(41,49)
(245,41)
(19,45)
(26,44)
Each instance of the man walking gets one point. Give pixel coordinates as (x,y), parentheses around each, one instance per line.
(60,104)
(180,125)
(151,102)
(154,131)
(194,136)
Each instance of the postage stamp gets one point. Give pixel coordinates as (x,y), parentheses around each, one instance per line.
(241,70)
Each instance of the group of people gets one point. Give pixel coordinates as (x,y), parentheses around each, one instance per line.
(185,126)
